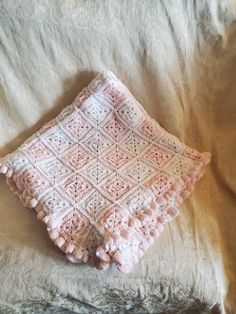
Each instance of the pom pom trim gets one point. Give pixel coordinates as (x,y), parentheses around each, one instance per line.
(108,252)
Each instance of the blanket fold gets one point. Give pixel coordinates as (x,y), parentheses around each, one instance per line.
(104,176)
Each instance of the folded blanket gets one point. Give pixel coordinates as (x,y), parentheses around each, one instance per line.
(104,176)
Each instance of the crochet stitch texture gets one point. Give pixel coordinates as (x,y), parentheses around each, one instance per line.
(104,176)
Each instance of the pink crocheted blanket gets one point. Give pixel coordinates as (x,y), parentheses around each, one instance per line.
(104,176)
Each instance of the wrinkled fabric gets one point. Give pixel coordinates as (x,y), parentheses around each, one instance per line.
(178,59)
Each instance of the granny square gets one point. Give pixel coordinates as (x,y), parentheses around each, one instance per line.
(104,176)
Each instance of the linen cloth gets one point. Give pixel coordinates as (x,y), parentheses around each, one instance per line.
(178,58)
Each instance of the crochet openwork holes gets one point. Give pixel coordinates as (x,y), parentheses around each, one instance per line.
(104,176)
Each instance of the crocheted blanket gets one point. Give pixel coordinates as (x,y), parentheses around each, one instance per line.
(104,176)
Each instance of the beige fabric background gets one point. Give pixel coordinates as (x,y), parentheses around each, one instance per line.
(179,59)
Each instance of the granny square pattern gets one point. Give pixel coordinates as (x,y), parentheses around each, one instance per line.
(104,176)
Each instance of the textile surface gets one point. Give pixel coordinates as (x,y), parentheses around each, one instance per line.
(104,176)
(178,59)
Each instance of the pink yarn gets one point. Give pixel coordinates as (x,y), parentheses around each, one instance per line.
(104,176)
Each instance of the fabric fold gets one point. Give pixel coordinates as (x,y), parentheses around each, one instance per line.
(104,176)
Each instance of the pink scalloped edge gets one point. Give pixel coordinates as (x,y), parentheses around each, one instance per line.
(183,186)
(108,252)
